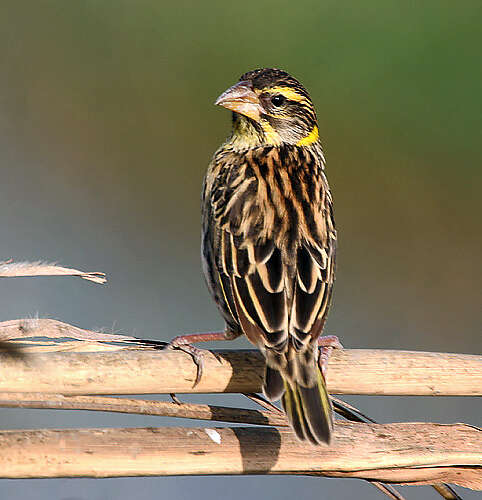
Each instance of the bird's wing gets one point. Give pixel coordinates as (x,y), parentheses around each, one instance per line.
(275,275)
(272,293)
(315,266)
(250,271)
(253,280)
(256,284)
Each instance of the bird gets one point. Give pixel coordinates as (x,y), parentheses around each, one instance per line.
(269,241)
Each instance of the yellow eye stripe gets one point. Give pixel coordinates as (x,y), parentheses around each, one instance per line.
(287,92)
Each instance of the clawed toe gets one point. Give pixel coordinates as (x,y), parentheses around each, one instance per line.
(197,355)
(183,343)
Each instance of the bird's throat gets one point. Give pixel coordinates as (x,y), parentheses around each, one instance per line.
(250,134)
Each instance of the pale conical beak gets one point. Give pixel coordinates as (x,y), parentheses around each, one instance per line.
(242,99)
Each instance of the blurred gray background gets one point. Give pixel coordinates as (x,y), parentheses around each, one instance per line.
(107,124)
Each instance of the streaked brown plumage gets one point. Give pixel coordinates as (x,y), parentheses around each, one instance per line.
(269,240)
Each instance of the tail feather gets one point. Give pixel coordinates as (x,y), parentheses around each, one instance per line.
(309,410)
(273,385)
(297,417)
(291,403)
(317,410)
(296,378)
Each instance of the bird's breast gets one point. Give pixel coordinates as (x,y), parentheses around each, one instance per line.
(270,193)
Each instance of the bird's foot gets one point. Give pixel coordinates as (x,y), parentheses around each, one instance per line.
(184,343)
(326,344)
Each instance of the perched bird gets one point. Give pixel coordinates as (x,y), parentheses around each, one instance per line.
(269,240)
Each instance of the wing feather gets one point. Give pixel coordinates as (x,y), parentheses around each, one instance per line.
(312,291)
(257,289)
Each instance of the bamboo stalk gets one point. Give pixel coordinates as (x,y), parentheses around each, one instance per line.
(91,364)
(415,453)
(141,407)
(150,371)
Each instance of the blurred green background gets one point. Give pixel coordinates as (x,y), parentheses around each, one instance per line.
(107,125)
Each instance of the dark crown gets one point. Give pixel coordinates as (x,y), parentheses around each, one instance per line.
(270,77)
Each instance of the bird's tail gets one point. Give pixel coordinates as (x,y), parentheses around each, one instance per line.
(306,402)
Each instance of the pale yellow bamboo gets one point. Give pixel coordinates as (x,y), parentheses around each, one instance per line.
(413,453)
(140,407)
(144,371)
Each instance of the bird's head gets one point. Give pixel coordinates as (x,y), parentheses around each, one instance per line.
(270,107)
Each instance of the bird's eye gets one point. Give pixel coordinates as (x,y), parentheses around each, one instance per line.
(278,100)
